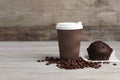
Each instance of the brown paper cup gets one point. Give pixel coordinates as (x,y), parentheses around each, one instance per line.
(69,36)
(69,43)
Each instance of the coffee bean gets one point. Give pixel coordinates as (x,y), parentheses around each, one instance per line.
(47,58)
(96,67)
(38,60)
(106,62)
(47,63)
(57,59)
(42,60)
(81,67)
(99,65)
(114,64)
(51,58)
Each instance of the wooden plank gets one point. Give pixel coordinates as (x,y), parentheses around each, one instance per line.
(18,61)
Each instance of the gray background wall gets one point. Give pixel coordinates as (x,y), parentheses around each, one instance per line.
(36,19)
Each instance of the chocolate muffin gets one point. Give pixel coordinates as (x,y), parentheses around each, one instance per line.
(99,50)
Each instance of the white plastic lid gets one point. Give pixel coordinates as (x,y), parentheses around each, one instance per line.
(69,25)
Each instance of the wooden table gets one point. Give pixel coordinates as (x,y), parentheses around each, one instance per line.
(18,61)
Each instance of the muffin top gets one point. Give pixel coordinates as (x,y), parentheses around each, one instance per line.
(99,47)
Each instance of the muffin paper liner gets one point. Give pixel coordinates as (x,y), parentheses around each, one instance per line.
(112,58)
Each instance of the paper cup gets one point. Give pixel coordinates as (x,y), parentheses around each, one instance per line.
(69,37)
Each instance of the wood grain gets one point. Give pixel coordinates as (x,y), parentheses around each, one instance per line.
(18,61)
